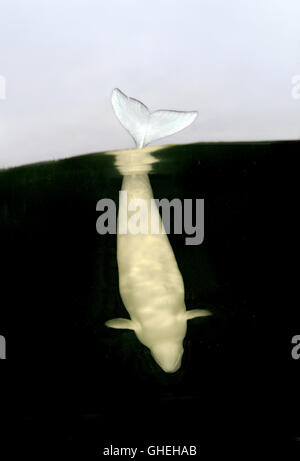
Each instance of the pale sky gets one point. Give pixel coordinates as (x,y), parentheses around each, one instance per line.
(233,61)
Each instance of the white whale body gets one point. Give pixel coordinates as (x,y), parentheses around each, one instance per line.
(150,283)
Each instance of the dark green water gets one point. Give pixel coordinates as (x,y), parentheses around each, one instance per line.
(83,386)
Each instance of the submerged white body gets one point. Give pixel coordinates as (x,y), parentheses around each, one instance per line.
(150,283)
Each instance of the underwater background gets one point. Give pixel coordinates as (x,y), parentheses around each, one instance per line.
(74,386)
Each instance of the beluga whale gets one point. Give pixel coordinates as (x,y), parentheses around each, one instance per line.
(150,283)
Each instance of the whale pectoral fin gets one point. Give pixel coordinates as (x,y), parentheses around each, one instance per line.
(120,324)
(197,313)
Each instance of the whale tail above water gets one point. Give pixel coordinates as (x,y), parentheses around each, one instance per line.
(145,126)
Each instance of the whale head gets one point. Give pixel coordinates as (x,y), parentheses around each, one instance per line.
(163,335)
(168,355)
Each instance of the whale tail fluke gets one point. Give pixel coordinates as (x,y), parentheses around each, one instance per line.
(145,126)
